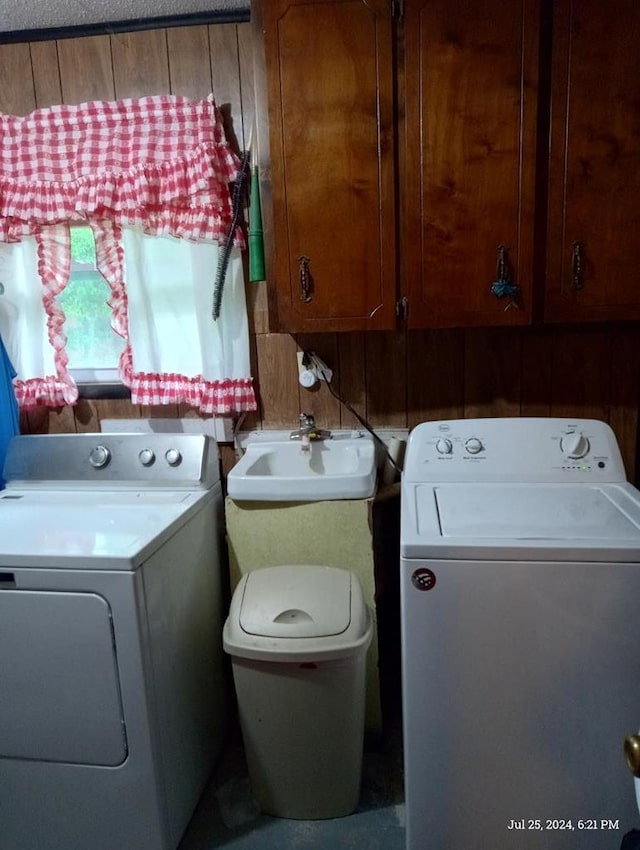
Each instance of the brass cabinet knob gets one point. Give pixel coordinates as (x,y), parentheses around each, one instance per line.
(632,754)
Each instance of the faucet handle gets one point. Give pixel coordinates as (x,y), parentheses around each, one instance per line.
(307,420)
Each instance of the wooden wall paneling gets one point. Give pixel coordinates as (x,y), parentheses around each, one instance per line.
(158,411)
(247,82)
(277,381)
(253,420)
(189,61)
(86,416)
(55,420)
(257,303)
(24,426)
(86,71)
(492,372)
(535,365)
(17,96)
(225,76)
(435,375)
(46,73)
(140,64)
(386,379)
(625,392)
(253,116)
(264,316)
(89,413)
(581,361)
(34,420)
(352,377)
(318,400)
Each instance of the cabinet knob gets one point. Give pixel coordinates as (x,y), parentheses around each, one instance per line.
(305,279)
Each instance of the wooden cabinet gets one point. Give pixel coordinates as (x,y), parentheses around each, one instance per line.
(593,229)
(437,120)
(468,194)
(332,154)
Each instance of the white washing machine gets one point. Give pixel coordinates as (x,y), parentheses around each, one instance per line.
(520,589)
(113,697)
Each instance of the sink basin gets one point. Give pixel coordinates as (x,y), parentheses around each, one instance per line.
(342,467)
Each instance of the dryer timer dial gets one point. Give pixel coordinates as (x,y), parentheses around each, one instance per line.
(574,444)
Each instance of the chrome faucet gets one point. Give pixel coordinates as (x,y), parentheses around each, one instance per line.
(307,431)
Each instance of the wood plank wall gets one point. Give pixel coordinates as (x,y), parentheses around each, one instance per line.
(393,379)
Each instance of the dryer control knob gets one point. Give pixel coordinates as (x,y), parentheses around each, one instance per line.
(147,457)
(473,446)
(99,457)
(173,457)
(574,444)
(444,446)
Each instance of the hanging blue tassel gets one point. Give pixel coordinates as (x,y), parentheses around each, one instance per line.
(502,288)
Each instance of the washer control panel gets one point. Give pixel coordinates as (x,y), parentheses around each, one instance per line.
(512,449)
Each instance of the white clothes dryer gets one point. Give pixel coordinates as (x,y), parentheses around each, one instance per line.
(520,581)
(113,697)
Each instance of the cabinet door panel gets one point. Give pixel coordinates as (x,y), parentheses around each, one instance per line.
(471,74)
(594,189)
(330,86)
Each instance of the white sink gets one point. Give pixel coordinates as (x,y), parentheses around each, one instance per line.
(341,467)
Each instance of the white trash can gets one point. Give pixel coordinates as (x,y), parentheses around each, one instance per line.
(298,638)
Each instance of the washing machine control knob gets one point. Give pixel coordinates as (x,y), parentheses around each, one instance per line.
(173,457)
(444,446)
(147,457)
(99,457)
(574,444)
(473,446)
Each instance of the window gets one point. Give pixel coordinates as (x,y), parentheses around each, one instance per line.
(93,346)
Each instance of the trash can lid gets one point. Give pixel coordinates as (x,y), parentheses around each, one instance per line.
(296,601)
(296,612)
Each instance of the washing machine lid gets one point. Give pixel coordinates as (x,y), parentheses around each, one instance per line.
(89,529)
(522,521)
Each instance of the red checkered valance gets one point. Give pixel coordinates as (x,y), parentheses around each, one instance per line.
(160,163)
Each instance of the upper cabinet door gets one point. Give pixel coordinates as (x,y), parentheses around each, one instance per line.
(594,188)
(330,95)
(471,77)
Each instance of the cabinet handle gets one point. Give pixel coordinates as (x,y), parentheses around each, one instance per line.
(503,286)
(577,264)
(305,279)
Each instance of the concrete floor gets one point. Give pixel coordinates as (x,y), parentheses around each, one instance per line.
(228,816)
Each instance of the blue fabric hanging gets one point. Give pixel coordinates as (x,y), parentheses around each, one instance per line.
(9,412)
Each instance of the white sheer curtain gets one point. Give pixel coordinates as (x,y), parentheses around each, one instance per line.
(169,287)
(31,323)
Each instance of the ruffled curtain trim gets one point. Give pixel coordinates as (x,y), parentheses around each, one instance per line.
(50,391)
(54,259)
(220,398)
(161,163)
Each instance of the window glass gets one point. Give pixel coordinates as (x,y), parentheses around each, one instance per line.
(92,344)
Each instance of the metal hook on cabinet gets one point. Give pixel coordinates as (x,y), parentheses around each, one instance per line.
(305,279)
(577,265)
